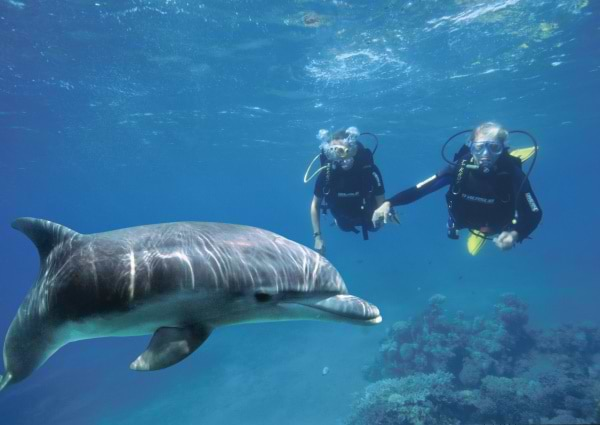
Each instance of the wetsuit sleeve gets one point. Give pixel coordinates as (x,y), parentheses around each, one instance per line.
(432,184)
(378,188)
(319,185)
(528,208)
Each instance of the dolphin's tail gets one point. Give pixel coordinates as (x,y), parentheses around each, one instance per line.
(5,380)
(43,233)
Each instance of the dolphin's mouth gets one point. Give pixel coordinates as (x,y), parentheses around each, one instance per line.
(347,308)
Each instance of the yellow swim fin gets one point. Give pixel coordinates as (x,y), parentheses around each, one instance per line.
(523,153)
(475,242)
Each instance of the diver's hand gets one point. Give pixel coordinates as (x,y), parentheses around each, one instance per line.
(506,240)
(384,214)
(320,245)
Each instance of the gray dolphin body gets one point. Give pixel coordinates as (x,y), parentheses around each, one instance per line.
(177,281)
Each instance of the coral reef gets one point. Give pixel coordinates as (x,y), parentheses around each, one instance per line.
(416,399)
(436,369)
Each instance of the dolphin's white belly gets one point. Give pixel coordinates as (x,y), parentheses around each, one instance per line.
(143,320)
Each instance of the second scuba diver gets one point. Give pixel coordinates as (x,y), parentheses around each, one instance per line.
(349,184)
(488,191)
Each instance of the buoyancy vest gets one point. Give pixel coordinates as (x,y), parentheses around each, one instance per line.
(356,201)
(476,200)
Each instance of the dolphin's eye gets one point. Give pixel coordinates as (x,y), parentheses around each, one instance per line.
(261,297)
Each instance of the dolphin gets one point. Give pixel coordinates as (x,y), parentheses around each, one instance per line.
(177,281)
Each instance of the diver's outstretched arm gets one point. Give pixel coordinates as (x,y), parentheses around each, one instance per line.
(430,185)
(384,213)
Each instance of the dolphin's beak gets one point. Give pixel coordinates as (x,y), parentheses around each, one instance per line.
(346,308)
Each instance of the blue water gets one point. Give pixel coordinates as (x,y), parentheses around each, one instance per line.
(117,114)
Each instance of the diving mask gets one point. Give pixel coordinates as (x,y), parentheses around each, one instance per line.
(343,151)
(494,147)
(486,152)
(340,150)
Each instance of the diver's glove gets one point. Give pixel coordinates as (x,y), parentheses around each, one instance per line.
(319,244)
(384,214)
(506,240)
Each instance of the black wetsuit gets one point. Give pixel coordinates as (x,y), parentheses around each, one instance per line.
(350,194)
(478,200)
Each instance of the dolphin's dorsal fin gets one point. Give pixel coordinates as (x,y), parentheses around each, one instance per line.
(169,346)
(43,233)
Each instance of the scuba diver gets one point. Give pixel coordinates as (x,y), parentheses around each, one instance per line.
(489,193)
(349,184)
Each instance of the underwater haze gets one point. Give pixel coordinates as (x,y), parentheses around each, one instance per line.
(122,113)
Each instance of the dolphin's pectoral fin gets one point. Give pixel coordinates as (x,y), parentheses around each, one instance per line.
(169,346)
(5,380)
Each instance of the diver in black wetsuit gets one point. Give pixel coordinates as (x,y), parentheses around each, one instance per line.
(350,184)
(488,191)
